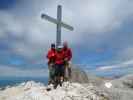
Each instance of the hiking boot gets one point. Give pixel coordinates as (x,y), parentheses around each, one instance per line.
(61,82)
(55,85)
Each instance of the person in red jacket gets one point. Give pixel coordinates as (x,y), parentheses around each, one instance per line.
(51,63)
(67,58)
(59,66)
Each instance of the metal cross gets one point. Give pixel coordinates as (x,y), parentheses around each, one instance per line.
(59,24)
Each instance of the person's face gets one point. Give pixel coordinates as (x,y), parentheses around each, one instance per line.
(52,47)
(59,49)
(65,46)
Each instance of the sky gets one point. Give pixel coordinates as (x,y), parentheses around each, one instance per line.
(102,40)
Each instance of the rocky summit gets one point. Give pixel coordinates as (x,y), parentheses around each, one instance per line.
(37,91)
(81,87)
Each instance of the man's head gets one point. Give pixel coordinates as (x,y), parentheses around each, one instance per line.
(59,48)
(65,45)
(52,46)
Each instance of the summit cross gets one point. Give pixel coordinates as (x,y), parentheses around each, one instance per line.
(59,24)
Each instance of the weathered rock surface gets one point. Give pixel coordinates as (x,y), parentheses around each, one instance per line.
(82,87)
(79,76)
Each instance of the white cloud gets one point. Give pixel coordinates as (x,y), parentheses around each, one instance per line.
(126,53)
(89,17)
(10,24)
(125,64)
(99,16)
(18,72)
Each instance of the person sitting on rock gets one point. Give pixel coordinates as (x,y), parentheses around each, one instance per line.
(67,58)
(51,63)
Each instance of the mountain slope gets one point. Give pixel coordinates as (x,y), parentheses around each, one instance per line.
(37,91)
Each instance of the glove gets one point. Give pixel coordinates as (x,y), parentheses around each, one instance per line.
(66,59)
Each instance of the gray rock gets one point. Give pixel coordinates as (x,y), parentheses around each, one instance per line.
(122,88)
(79,75)
(125,82)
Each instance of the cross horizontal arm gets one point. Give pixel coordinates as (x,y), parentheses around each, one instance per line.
(67,26)
(49,18)
(53,20)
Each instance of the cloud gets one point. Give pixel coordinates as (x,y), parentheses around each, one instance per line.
(97,24)
(118,69)
(87,17)
(116,66)
(126,53)
(19,72)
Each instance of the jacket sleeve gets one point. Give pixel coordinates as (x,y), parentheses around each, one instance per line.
(48,55)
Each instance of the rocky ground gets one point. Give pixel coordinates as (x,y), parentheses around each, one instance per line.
(37,91)
(81,87)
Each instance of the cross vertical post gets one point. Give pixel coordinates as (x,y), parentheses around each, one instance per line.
(59,16)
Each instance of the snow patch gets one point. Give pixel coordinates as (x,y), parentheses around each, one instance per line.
(108,84)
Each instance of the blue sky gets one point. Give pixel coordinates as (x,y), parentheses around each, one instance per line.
(101,41)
